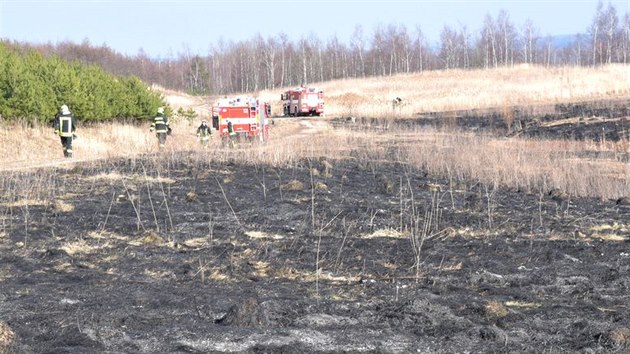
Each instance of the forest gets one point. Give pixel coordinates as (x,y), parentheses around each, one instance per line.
(34,86)
(267,63)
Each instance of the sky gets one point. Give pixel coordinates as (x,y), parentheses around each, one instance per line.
(167,28)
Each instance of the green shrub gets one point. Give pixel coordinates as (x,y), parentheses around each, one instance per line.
(33,88)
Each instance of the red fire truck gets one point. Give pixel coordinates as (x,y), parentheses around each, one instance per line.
(303,101)
(249,118)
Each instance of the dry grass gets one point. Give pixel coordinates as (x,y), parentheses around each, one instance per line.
(79,247)
(38,146)
(523,304)
(495,309)
(530,165)
(386,233)
(527,164)
(7,338)
(60,206)
(620,336)
(294,185)
(196,242)
(263,235)
(446,90)
(294,274)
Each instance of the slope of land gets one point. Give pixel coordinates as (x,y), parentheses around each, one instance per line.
(433,232)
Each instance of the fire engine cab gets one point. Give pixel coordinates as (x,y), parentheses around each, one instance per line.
(303,101)
(249,117)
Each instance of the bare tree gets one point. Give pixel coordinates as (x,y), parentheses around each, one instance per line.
(611,21)
(595,31)
(529,37)
(488,42)
(506,38)
(625,39)
(448,49)
(420,48)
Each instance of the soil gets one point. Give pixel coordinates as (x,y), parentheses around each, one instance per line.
(328,256)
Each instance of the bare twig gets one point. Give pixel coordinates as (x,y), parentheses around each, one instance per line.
(228,203)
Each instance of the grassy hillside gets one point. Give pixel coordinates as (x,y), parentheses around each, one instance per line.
(433,91)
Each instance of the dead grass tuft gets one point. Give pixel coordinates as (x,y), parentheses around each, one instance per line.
(151,238)
(196,242)
(115,176)
(263,235)
(261,268)
(452,267)
(495,309)
(390,233)
(294,274)
(158,274)
(60,206)
(78,247)
(326,168)
(294,185)
(7,338)
(218,275)
(620,336)
(523,304)
(191,197)
(25,202)
(321,186)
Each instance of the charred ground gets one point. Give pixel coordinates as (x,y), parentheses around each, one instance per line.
(597,120)
(200,256)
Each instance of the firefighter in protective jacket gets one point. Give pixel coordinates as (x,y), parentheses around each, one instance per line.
(203,134)
(65,126)
(231,135)
(161,127)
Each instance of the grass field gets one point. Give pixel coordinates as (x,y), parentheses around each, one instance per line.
(582,168)
(436,91)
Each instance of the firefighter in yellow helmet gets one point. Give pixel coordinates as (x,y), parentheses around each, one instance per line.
(65,126)
(161,127)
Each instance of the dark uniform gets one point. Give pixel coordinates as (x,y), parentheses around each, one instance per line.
(161,127)
(203,133)
(231,135)
(65,126)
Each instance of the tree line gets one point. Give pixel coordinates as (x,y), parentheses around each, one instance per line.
(34,86)
(267,63)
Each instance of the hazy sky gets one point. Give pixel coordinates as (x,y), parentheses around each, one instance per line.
(167,27)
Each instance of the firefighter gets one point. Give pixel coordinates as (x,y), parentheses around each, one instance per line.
(65,126)
(161,127)
(203,134)
(231,135)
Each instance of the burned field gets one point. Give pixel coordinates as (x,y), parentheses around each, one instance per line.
(597,120)
(344,255)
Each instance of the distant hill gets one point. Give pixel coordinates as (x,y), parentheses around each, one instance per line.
(562,41)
